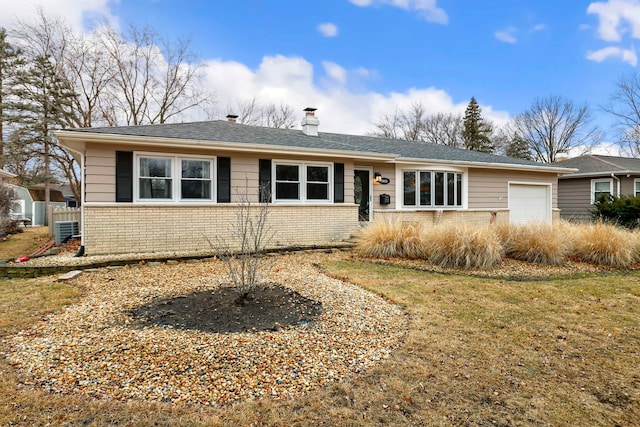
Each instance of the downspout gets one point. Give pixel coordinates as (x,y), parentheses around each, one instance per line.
(82,193)
(618,186)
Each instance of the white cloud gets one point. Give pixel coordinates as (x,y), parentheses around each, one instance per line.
(335,72)
(627,55)
(75,12)
(538,27)
(427,8)
(616,18)
(290,80)
(328,29)
(508,35)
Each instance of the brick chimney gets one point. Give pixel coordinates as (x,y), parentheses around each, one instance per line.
(231,118)
(310,122)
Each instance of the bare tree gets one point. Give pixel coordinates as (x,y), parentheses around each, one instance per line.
(154,81)
(416,124)
(278,116)
(444,128)
(624,105)
(407,125)
(7,201)
(555,124)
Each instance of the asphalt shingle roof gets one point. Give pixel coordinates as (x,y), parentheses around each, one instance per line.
(597,164)
(224,131)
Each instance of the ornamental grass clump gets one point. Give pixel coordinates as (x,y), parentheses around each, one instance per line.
(541,243)
(607,244)
(390,239)
(462,246)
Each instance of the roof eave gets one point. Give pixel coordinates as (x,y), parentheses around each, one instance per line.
(490,165)
(77,140)
(601,173)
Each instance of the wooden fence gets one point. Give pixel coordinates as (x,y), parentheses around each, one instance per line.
(56,213)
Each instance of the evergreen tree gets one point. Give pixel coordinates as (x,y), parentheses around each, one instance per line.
(44,103)
(476,130)
(10,61)
(518,148)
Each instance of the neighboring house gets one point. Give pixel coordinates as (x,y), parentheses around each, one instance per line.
(596,175)
(174,186)
(5,176)
(30,203)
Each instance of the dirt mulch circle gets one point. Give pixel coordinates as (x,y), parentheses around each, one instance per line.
(267,308)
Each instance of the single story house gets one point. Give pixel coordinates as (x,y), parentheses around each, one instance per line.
(170,187)
(30,203)
(595,175)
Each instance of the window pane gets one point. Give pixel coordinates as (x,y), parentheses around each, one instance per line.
(153,188)
(318,191)
(287,173)
(439,188)
(287,191)
(196,169)
(459,189)
(196,189)
(601,187)
(317,174)
(155,167)
(409,188)
(451,195)
(425,188)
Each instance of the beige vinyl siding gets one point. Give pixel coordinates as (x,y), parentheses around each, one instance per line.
(100,181)
(100,175)
(387,171)
(627,186)
(489,189)
(574,198)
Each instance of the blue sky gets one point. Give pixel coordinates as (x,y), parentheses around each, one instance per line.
(356,59)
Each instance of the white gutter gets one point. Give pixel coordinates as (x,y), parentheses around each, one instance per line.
(613,175)
(603,173)
(486,165)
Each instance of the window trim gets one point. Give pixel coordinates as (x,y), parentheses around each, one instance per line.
(593,187)
(302,181)
(459,186)
(176,177)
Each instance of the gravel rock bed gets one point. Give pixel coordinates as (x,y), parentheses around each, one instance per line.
(95,348)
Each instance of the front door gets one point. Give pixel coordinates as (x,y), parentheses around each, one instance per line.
(362,193)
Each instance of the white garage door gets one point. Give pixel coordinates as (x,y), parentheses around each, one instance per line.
(529,203)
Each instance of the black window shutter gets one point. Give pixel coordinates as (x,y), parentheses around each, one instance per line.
(338,182)
(224,179)
(124,176)
(265,180)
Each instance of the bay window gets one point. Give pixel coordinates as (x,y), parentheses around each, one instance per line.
(432,188)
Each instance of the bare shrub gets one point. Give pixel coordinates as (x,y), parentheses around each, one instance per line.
(462,246)
(390,238)
(542,243)
(243,253)
(606,244)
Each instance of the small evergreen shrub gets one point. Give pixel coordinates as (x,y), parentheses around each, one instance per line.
(542,243)
(623,210)
(606,244)
(389,239)
(462,246)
